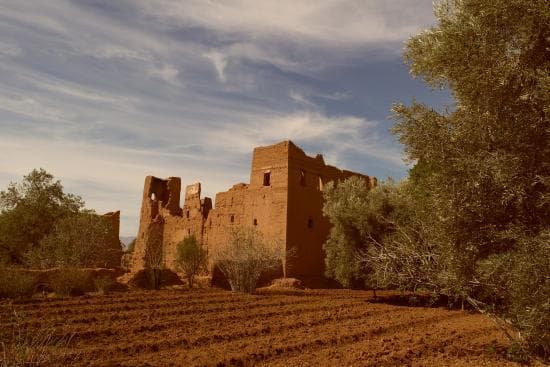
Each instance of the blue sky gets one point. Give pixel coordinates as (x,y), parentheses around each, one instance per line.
(102,93)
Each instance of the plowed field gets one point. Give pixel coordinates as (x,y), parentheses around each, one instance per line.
(221,328)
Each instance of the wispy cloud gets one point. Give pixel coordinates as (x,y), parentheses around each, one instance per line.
(219,61)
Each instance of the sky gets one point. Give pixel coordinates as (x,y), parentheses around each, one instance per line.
(102,93)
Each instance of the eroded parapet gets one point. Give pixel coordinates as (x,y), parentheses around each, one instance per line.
(163,193)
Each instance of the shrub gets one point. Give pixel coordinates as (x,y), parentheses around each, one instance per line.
(14,283)
(104,284)
(245,257)
(70,281)
(78,240)
(191,258)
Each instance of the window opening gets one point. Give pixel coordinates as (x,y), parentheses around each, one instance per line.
(320,183)
(232,218)
(302,177)
(267,178)
(153,196)
(310,223)
(187,214)
(255,222)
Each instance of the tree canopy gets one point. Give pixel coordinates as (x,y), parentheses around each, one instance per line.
(477,200)
(28,211)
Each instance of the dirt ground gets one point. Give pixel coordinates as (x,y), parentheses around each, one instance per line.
(277,328)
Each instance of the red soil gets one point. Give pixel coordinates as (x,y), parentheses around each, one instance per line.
(220,328)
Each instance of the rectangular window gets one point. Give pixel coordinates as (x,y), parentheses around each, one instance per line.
(267,178)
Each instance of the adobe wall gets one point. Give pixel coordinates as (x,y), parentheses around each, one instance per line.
(262,205)
(283,201)
(189,222)
(113,222)
(307,228)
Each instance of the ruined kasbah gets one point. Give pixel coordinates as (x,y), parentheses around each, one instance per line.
(283,202)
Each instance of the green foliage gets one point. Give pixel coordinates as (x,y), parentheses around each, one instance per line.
(483,166)
(191,258)
(77,240)
(472,222)
(357,219)
(70,281)
(16,284)
(245,257)
(28,212)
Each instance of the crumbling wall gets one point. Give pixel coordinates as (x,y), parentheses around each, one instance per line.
(160,199)
(113,242)
(189,223)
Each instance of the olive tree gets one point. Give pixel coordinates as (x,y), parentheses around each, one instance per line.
(485,161)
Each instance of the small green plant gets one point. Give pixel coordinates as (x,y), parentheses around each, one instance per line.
(517,353)
(103,284)
(70,281)
(16,284)
(191,258)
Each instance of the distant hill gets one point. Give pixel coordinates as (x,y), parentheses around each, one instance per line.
(126,240)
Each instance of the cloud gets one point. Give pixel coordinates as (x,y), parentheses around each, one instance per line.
(299,98)
(9,49)
(219,61)
(167,73)
(329,21)
(104,93)
(34,109)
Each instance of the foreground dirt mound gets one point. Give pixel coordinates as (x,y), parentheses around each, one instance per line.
(220,328)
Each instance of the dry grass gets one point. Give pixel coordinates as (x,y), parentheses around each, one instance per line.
(21,345)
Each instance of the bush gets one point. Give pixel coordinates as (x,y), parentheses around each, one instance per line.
(191,258)
(104,284)
(15,284)
(246,257)
(70,281)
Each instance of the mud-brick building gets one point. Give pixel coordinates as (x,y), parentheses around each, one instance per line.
(283,200)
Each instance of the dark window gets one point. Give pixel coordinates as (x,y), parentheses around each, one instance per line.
(255,222)
(187,214)
(267,178)
(232,218)
(310,223)
(302,177)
